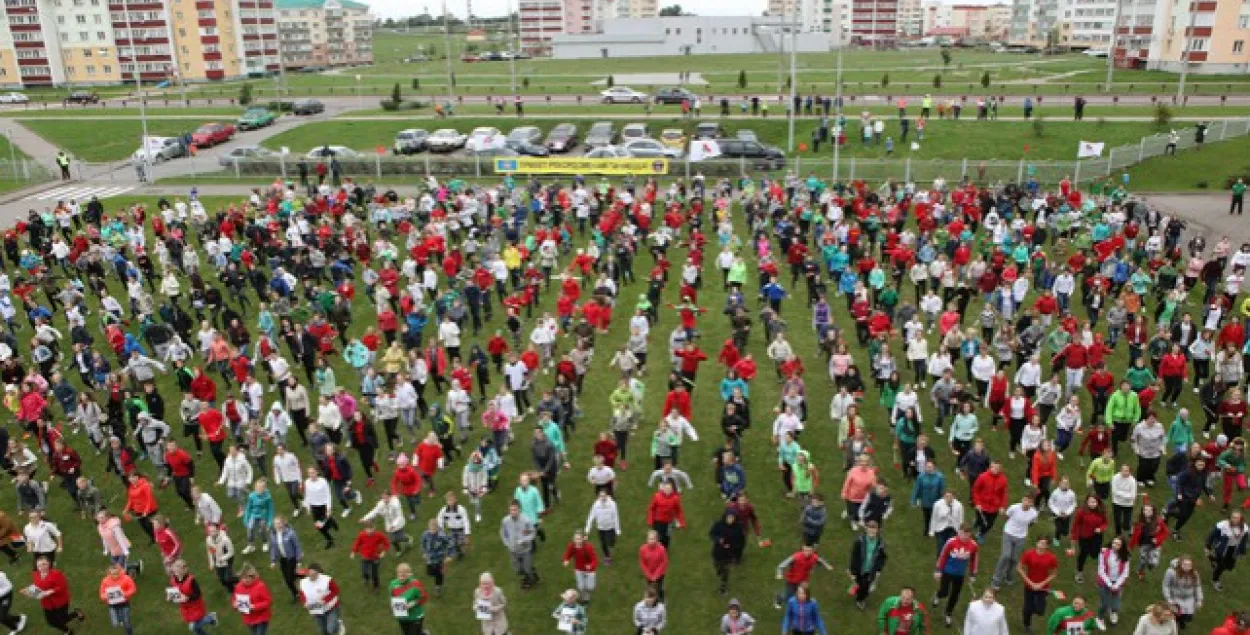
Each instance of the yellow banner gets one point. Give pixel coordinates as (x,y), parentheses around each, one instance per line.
(537,165)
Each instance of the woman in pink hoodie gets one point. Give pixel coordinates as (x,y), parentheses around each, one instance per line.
(116,544)
(858,483)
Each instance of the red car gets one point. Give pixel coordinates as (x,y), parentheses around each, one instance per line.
(211,134)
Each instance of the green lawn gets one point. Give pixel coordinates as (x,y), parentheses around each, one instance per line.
(943,139)
(152,113)
(107,140)
(1212,168)
(693,604)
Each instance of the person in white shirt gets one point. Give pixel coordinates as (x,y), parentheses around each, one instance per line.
(207,511)
(1062,505)
(1016,530)
(944,523)
(449,336)
(985,616)
(1123,498)
(43,539)
(391,510)
(319,593)
(604,517)
(16,624)
(319,502)
(236,475)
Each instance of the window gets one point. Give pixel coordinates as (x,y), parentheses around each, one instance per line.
(86,52)
(69,70)
(678,31)
(1238,46)
(83,36)
(1243,22)
(182,33)
(17,19)
(107,69)
(1197,44)
(82,19)
(101,36)
(98,19)
(35,71)
(90,70)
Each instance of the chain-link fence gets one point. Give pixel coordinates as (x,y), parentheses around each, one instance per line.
(16,174)
(391,169)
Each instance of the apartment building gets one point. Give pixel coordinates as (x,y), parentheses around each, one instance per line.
(1036,22)
(984,22)
(1207,36)
(874,23)
(910,19)
(541,20)
(324,33)
(813,16)
(1090,22)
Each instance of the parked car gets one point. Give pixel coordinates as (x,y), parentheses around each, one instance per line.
(246,153)
(411,141)
(326,152)
(446,140)
(673,138)
(308,107)
(768,157)
(483,138)
(747,135)
(622,95)
(14,98)
(608,152)
(254,118)
(82,97)
(673,95)
(651,149)
(633,131)
(529,134)
(562,138)
(160,149)
(211,134)
(495,151)
(601,134)
(527,149)
(709,130)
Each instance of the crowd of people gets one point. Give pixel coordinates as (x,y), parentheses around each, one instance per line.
(288,327)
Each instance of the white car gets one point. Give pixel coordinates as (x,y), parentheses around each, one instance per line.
(484,138)
(325,152)
(622,95)
(13,98)
(160,149)
(446,140)
(651,149)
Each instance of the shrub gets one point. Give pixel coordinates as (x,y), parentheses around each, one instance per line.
(946,57)
(396,94)
(525,82)
(611,81)
(245,94)
(742,78)
(280,106)
(392,106)
(937,80)
(885,80)
(1163,115)
(985,79)
(1039,127)
(416,83)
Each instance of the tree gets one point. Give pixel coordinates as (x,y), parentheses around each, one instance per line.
(742,79)
(985,79)
(671,10)
(946,57)
(937,80)
(1163,115)
(245,94)
(416,83)
(611,81)
(885,80)
(396,95)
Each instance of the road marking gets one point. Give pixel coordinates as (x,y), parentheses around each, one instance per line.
(79,192)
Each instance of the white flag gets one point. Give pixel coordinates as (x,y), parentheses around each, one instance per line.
(1089,149)
(701,149)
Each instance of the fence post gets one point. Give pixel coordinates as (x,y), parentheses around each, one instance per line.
(1141,150)
(282,165)
(427,163)
(1110,161)
(963,170)
(907,171)
(852,175)
(1020,171)
(1076,178)
(1224,130)
(236,167)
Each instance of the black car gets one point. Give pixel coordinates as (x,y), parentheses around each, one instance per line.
(768,157)
(308,107)
(527,149)
(562,138)
(82,97)
(673,95)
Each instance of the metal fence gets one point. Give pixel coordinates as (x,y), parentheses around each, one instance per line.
(20,173)
(396,170)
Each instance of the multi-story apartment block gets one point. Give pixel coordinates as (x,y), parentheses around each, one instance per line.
(325,33)
(1207,36)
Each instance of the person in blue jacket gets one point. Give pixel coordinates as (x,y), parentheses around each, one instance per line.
(258,516)
(802,616)
(929,487)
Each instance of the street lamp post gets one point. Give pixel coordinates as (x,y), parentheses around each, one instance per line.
(360,97)
(134,71)
(837,104)
(1115,28)
(512,44)
(1180,87)
(451,88)
(794,109)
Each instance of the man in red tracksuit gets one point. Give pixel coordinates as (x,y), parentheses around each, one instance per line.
(665,508)
(370,544)
(989,497)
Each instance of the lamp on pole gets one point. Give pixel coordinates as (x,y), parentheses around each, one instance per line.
(1115,29)
(793,108)
(134,71)
(1180,87)
(360,97)
(837,105)
(512,44)
(451,88)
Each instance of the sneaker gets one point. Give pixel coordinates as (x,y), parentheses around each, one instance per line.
(248,549)
(21,624)
(1219,586)
(776,606)
(939,430)
(933,601)
(212,618)
(1080,578)
(477,518)
(947,619)
(295,514)
(342,628)
(860,605)
(265,547)
(359,497)
(346,513)
(1059,455)
(1115,618)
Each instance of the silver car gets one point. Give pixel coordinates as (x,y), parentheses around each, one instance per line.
(246,153)
(608,152)
(650,149)
(600,134)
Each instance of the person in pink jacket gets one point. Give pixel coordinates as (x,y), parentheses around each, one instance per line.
(855,488)
(116,544)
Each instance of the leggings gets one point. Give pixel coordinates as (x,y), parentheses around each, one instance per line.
(435,570)
(6,618)
(292,490)
(607,541)
(288,565)
(1221,563)
(1123,518)
(369,572)
(366,458)
(622,443)
(392,433)
(1171,388)
(145,523)
(1087,549)
(321,514)
(950,588)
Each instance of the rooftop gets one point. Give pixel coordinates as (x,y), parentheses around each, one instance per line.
(318,4)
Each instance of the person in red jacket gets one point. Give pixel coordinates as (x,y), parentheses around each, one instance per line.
(141,504)
(67,464)
(1075,358)
(51,588)
(581,554)
(406,483)
(213,430)
(664,509)
(1150,532)
(797,571)
(989,497)
(370,545)
(184,591)
(253,601)
(182,468)
(1235,624)
(1088,526)
(678,399)
(1173,370)
(653,559)
(167,541)
(429,458)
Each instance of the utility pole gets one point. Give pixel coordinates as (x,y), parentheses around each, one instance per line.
(837,105)
(513,44)
(134,71)
(794,109)
(1180,87)
(451,87)
(1115,29)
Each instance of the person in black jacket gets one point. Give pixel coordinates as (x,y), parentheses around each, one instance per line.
(1225,544)
(868,557)
(1190,485)
(729,538)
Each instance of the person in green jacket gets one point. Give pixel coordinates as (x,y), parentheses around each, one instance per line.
(1123,412)
(530,499)
(903,614)
(1074,619)
(408,601)
(1181,432)
(1101,471)
(570,615)
(258,515)
(1139,376)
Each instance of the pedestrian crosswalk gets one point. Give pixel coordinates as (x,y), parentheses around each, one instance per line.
(80,192)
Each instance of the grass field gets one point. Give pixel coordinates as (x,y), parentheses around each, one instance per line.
(693,604)
(107,140)
(1207,170)
(153,113)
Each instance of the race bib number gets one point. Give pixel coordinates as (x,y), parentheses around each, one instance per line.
(565,622)
(481,610)
(316,608)
(399,607)
(1075,629)
(243,603)
(114,595)
(172,594)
